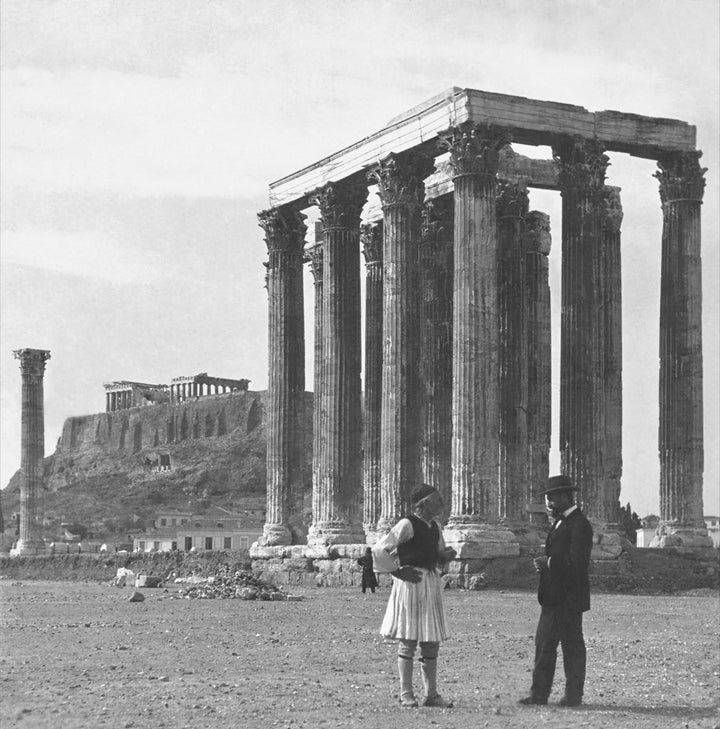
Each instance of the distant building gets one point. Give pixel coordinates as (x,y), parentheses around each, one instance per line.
(217,529)
(650,524)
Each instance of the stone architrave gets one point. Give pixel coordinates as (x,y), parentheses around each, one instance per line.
(582,165)
(32,367)
(285,237)
(372,246)
(436,292)
(473,528)
(402,191)
(539,361)
(314,254)
(512,207)
(612,307)
(682,184)
(337,500)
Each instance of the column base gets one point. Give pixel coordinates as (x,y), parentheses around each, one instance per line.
(28,548)
(476,540)
(325,534)
(274,535)
(373,533)
(672,534)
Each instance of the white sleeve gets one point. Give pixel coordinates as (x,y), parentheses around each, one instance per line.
(385,550)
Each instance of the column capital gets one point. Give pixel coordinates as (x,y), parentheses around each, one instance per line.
(582,163)
(314,256)
(512,200)
(340,203)
(613,212)
(475,148)
(32,361)
(371,239)
(400,178)
(681,177)
(538,236)
(284,229)
(436,218)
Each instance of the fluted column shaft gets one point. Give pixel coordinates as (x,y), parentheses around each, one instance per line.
(401,190)
(582,369)
(436,293)
(315,256)
(285,237)
(512,207)
(539,361)
(32,444)
(337,500)
(612,308)
(680,445)
(372,241)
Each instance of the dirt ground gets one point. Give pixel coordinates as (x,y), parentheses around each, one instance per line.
(80,655)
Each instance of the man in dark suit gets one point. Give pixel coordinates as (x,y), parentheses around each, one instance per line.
(564,595)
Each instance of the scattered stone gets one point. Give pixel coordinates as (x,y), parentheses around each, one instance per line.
(136,597)
(241,585)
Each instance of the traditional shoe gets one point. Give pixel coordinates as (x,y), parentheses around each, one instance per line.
(408,701)
(570,701)
(530,700)
(437,701)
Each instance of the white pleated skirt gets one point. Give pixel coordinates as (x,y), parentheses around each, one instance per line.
(415,610)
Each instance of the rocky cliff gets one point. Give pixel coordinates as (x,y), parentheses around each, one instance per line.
(122,467)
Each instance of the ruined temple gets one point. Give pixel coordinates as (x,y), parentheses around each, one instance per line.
(457,369)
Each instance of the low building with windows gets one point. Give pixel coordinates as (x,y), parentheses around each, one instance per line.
(216,529)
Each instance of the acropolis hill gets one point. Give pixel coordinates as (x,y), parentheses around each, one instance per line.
(138,459)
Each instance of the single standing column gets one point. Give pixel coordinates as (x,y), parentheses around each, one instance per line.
(337,500)
(612,307)
(682,185)
(32,367)
(372,246)
(107,402)
(582,368)
(539,359)
(314,255)
(436,292)
(401,189)
(285,237)
(512,207)
(473,528)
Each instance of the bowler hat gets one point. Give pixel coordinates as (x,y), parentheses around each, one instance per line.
(559,483)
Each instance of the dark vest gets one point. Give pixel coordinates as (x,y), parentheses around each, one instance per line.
(422,549)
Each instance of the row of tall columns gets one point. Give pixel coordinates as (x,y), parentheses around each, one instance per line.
(32,444)
(185,390)
(121,400)
(482,435)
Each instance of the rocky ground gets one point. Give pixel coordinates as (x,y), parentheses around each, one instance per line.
(81,655)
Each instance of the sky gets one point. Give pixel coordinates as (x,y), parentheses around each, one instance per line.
(138,140)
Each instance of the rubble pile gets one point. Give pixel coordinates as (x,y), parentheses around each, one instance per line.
(227,584)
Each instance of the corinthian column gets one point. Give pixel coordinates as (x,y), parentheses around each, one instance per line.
(582,367)
(612,307)
(401,189)
(337,500)
(32,367)
(473,528)
(285,237)
(682,185)
(436,292)
(372,244)
(539,361)
(512,207)
(314,255)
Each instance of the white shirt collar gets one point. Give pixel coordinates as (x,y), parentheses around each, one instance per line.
(569,511)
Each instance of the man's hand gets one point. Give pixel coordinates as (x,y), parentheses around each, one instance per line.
(541,563)
(449,554)
(408,574)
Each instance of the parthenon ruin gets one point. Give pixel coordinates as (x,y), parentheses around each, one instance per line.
(457,370)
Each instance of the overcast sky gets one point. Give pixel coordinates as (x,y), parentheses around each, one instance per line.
(139,139)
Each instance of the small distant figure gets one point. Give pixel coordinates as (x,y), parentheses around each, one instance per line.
(369,580)
(103,548)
